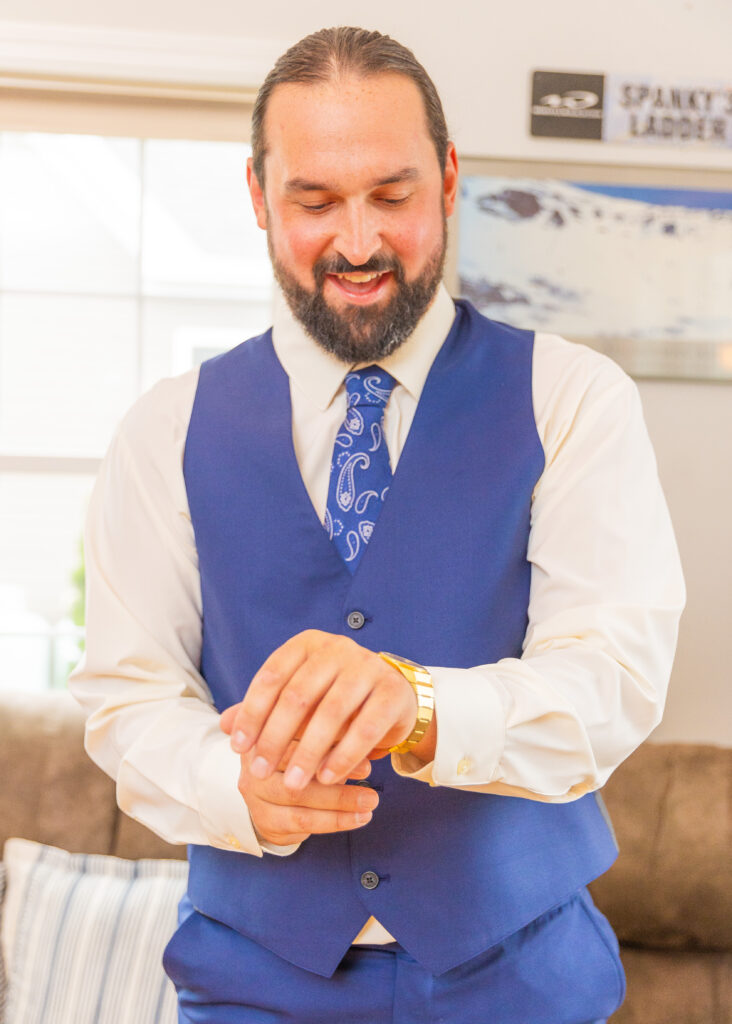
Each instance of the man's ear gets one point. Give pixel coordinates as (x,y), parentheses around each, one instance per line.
(257,194)
(450,179)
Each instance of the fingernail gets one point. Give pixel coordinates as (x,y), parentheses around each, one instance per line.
(363,817)
(327,776)
(294,777)
(260,768)
(238,741)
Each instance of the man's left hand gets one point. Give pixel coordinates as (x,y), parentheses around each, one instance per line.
(342,702)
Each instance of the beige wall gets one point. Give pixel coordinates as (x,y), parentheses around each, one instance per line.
(691,428)
(479,52)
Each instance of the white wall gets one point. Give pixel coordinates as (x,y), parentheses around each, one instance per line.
(481,54)
(691,428)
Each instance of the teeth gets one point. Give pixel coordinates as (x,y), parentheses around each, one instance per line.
(359,278)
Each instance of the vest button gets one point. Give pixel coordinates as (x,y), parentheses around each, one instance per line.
(369,879)
(356,619)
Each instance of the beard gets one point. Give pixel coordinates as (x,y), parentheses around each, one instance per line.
(362,334)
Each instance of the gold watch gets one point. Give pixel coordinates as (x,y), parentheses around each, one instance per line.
(421,682)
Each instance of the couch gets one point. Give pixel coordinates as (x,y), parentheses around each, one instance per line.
(669,895)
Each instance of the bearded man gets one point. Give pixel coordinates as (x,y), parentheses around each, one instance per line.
(418,567)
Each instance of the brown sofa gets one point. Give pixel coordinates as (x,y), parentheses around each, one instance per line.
(669,896)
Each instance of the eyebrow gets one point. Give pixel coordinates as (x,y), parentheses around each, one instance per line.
(303,185)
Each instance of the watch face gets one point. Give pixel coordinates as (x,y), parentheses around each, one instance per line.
(411,664)
(402,661)
(412,671)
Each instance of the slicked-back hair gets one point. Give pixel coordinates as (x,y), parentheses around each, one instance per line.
(332,53)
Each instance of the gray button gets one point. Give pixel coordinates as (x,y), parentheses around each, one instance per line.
(369,879)
(356,619)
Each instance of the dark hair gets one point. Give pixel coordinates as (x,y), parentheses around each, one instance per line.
(324,55)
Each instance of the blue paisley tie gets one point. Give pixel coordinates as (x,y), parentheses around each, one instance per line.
(360,473)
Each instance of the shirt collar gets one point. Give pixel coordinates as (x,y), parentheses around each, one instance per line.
(319,375)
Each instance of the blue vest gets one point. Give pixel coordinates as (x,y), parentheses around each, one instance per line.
(444,581)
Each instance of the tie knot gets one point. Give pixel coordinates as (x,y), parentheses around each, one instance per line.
(370,386)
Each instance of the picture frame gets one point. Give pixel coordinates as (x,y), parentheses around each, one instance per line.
(635,261)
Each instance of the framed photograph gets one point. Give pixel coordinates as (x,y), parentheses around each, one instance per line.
(633,261)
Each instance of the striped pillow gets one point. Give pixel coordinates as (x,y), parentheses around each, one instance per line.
(84,936)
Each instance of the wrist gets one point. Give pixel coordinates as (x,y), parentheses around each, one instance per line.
(420,681)
(426,749)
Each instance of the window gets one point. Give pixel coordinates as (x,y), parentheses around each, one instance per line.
(126,255)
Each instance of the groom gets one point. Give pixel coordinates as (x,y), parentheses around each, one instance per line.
(421,695)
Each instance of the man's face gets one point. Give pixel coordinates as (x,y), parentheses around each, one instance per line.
(354,207)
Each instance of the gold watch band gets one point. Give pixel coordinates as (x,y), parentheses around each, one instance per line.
(421,682)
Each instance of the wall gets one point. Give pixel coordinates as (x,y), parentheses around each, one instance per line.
(691,428)
(483,86)
(481,54)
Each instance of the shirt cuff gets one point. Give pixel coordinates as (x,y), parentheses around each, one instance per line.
(224,814)
(470,730)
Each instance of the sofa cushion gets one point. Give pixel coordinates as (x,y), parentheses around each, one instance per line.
(44,768)
(670,888)
(85,936)
(676,988)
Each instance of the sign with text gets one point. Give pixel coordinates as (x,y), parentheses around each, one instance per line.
(643,109)
(631,109)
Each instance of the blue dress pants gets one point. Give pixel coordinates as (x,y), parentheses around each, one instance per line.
(563,968)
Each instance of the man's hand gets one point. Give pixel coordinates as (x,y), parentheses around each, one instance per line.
(342,702)
(283,816)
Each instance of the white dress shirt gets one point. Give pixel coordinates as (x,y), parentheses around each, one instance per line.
(606,595)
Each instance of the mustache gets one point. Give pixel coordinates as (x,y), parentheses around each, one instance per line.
(340,265)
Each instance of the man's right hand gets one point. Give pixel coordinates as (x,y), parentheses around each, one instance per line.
(283,816)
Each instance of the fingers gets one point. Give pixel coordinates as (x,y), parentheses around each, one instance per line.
(385,719)
(332,720)
(314,673)
(226,719)
(264,691)
(362,770)
(283,817)
(359,771)
(272,680)
(339,700)
(311,691)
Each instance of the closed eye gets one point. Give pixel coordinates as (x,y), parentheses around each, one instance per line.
(315,207)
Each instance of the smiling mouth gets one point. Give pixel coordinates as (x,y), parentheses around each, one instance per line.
(359,283)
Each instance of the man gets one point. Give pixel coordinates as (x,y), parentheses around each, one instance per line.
(383,472)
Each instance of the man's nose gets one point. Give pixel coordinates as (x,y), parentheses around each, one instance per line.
(358,235)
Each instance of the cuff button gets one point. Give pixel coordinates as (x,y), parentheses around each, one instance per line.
(464,766)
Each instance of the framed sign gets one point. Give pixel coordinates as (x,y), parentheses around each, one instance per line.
(686,113)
